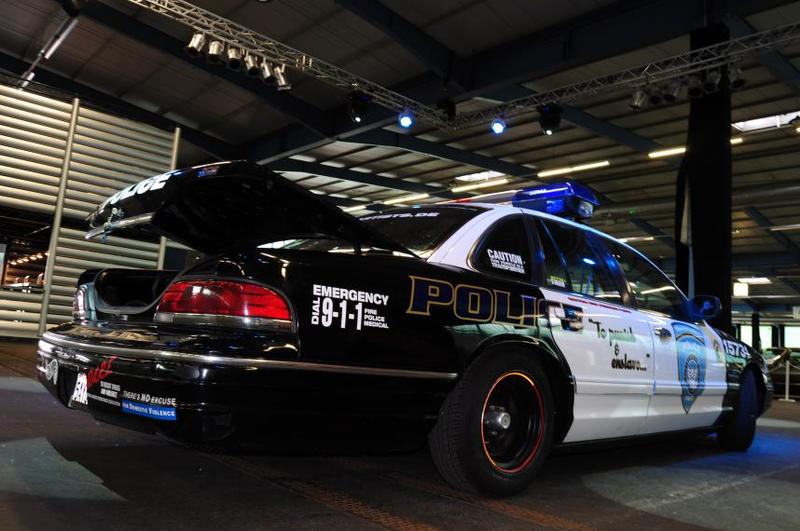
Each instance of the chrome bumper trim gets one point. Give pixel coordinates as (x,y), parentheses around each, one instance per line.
(50,338)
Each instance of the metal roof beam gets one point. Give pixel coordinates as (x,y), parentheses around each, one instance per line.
(382,137)
(107,102)
(653,231)
(282,101)
(625,26)
(762,221)
(438,57)
(777,64)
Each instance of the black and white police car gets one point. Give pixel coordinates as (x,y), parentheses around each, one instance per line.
(497,332)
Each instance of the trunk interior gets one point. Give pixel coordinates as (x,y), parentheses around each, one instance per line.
(131,289)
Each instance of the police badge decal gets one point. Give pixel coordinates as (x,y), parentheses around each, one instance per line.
(691,347)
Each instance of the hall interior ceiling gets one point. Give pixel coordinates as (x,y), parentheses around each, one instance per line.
(131,59)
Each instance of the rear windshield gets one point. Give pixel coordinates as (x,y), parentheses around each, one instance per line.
(419,229)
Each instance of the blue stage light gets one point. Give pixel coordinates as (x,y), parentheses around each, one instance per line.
(405,119)
(498,126)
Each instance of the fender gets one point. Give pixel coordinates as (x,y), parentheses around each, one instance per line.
(556,366)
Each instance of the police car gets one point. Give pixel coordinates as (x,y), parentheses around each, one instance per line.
(499,332)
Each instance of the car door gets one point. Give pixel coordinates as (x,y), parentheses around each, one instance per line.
(606,343)
(689,361)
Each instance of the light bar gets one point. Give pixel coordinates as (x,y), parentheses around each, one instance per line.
(406,199)
(754,280)
(485,184)
(572,169)
(682,149)
(355,208)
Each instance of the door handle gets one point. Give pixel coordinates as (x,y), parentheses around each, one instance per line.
(662,332)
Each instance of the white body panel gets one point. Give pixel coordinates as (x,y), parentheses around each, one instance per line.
(612,402)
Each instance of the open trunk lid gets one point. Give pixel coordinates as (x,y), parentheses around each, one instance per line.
(218,206)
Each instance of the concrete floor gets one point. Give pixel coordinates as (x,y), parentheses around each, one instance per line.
(59,469)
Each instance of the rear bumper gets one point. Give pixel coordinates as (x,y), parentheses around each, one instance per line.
(207,396)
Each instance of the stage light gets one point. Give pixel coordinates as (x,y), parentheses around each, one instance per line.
(447,105)
(654,95)
(638,99)
(267,73)
(234,58)
(672,90)
(252,66)
(358,106)
(280,78)
(195,46)
(498,126)
(695,86)
(550,117)
(735,78)
(405,119)
(215,49)
(711,84)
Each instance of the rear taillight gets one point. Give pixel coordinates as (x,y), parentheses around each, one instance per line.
(223,302)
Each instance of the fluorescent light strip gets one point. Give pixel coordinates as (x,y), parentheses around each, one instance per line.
(571,169)
(637,239)
(793,226)
(355,208)
(406,199)
(476,186)
(682,149)
(479,176)
(754,280)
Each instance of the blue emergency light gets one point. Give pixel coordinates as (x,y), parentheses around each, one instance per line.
(568,199)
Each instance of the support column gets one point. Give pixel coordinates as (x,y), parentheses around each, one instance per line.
(703,193)
(755,323)
(62,192)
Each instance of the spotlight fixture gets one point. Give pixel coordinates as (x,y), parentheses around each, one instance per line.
(358,106)
(280,78)
(711,84)
(498,126)
(638,99)
(234,58)
(215,49)
(252,66)
(672,90)
(405,119)
(695,86)
(196,43)
(447,105)
(735,78)
(550,117)
(267,73)
(654,95)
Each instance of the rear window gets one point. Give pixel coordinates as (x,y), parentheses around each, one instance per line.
(420,229)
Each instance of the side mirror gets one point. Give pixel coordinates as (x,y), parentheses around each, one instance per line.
(703,307)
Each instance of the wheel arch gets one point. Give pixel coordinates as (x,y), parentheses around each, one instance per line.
(555,366)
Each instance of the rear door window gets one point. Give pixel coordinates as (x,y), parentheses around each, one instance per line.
(504,250)
(586,261)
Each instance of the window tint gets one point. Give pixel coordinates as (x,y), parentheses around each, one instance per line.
(652,289)
(585,260)
(505,250)
(554,272)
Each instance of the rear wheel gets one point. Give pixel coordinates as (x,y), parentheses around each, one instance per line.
(495,428)
(740,429)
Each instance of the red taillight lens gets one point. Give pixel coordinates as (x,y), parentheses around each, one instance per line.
(222,297)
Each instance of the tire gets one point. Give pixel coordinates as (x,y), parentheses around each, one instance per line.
(739,431)
(495,428)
